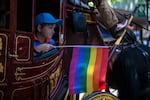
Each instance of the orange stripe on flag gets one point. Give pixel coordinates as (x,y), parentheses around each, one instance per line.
(97,68)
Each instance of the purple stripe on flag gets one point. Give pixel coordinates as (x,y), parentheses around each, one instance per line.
(73,70)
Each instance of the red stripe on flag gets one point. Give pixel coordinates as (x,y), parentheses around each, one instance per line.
(102,79)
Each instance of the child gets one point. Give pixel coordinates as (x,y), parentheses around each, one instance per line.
(45,25)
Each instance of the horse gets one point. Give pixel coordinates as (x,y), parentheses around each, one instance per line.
(129,74)
(130,70)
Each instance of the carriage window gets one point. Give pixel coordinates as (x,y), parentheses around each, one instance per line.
(24,15)
(51,7)
(4,13)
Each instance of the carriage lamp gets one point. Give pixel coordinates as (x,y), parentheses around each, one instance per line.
(91,4)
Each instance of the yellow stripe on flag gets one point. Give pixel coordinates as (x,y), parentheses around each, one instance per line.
(90,70)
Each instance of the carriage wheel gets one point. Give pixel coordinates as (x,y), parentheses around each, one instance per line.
(100,96)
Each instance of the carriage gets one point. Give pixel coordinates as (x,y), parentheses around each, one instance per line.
(28,77)
(24,76)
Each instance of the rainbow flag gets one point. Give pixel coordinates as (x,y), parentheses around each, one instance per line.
(87,69)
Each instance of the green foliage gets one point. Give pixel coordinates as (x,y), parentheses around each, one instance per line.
(113,1)
(141,0)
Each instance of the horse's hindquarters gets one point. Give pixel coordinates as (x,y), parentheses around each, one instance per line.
(130,72)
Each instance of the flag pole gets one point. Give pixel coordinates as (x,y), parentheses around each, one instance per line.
(85,46)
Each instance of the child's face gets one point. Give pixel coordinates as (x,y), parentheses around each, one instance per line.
(48,30)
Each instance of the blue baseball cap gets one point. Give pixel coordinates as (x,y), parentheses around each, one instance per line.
(47,18)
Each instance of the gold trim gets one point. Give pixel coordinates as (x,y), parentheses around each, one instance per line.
(2,94)
(1,43)
(1,68)
(54,77)
(5,56)
(18,72)
(13,92)
(12,95)
(103,96)
(28,48)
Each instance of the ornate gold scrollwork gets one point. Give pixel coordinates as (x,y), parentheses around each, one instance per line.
(19,70)
(18,73)
(54,77)
(1,68)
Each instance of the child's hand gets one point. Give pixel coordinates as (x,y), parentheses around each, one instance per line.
(51,46)
(44,47)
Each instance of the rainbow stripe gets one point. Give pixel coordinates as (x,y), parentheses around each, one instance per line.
(87,69)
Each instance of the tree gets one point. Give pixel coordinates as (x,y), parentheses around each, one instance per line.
(113,1)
